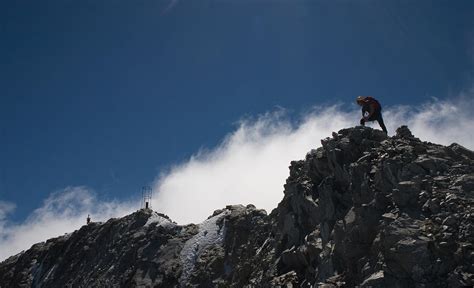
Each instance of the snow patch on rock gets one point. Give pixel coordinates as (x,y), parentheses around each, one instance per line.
(160,220)
(209,234)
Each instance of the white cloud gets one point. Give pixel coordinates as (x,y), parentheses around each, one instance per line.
(61,212)
(5,209)
(249,166)
(442,122)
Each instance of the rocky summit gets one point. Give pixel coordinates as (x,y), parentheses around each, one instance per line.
(364,210)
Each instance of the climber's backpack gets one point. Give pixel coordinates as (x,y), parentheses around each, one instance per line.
(373,101)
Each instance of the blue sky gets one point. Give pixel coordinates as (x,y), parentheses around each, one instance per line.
(109,94)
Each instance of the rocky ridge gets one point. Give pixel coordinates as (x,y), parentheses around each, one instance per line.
(364,210)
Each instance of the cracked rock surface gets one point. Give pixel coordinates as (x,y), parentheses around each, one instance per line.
(364,210)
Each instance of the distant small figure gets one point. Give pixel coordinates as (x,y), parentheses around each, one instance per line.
(88,220)
(373,109)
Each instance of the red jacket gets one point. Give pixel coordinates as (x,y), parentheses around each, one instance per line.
(370,105)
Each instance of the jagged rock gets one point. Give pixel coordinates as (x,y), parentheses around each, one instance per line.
(363,210)
(295,258)
(465,182)
(375,280)
(404,133)
(287,280)
(406,194)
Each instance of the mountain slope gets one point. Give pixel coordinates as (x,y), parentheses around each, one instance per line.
(363,210)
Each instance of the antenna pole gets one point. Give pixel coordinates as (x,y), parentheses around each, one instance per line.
(147,195)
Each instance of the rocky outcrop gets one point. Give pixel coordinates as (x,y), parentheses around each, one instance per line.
(373,211)
(364,210)
(144,249)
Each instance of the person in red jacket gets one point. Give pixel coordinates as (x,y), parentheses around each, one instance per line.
(371,111)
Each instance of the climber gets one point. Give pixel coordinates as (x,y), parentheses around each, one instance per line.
(371,111)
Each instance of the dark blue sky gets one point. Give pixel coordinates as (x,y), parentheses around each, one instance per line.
(108,93)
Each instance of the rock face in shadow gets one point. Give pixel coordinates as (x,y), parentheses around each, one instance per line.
(363,210)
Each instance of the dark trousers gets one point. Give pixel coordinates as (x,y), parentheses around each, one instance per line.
(377,116)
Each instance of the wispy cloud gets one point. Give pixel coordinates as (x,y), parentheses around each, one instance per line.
(62,212)
(442,122)
(250,165)
(5,209)
(170,6)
